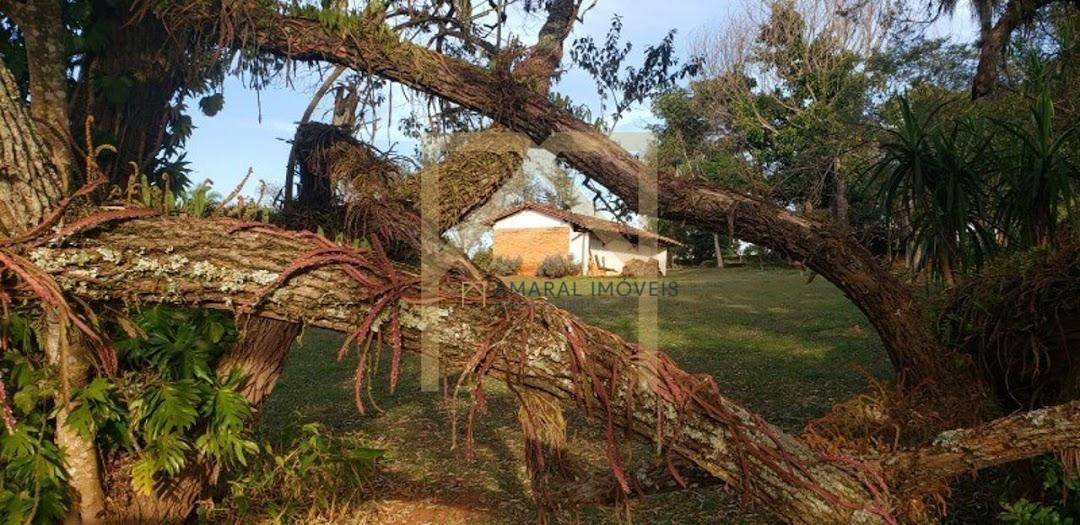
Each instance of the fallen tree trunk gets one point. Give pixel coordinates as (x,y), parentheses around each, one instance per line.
(223,264)
(1021,435)
(203,263)
(915,350)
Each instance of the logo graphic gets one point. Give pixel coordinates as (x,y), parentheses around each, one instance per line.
(434,265)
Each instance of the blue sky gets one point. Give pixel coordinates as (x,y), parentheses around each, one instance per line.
(223,147)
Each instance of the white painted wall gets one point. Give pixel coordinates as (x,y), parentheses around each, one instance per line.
(528,219)
(613,251)
(579,249)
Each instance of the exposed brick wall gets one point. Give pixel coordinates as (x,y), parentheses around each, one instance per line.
(531,244)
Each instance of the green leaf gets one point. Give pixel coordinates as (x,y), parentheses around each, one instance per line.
(171,407)
(212,104)
(142,475)
(82,420)
(216,331)
(365,456)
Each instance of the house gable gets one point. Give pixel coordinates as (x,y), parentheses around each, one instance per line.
(531,236)
(529,219)
(534,232)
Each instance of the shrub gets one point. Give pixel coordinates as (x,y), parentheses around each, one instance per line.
(169,407)
(504,265)
(1060,489)
(482,259)
(641,268)
(556,266)
(277,486)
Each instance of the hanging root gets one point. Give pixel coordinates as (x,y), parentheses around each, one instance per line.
(604,374)
(751,442)
(1070,461)
(44,287)
(371,268)
(544,428)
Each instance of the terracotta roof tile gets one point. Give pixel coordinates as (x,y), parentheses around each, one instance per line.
(593,224)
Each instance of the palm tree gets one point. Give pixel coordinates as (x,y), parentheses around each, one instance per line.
(927,173)
(1039,182)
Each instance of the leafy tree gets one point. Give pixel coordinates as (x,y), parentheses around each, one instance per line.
(619,85)
(686,144)
(1040,183)
(561,191)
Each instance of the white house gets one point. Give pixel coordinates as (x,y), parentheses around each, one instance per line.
(534,231)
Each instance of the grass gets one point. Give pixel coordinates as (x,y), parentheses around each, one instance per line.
(785,348)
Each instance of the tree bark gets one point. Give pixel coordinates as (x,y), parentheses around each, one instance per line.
(260,356)
(719,252)
(380,201)
(207,263)
(542,65)
(839,202)
(172,503)
(1021,435)
(160,64)
(46,57)
(469,175)
(996,39)
(64,351)
(30,183)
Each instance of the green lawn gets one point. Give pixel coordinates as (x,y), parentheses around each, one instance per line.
(785,348)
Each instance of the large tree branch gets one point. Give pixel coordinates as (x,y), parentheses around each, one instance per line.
(1021,435)
(887,302)
(541,67)
(994,42)
(473,170)
(380,200)
(223,264)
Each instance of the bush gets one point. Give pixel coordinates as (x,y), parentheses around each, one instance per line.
(169,407)
(556,266)
(1056,497)
(641,268)
(277,486)
(504,265)
(482,259)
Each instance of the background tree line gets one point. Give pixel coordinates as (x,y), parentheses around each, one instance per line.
(852,116)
